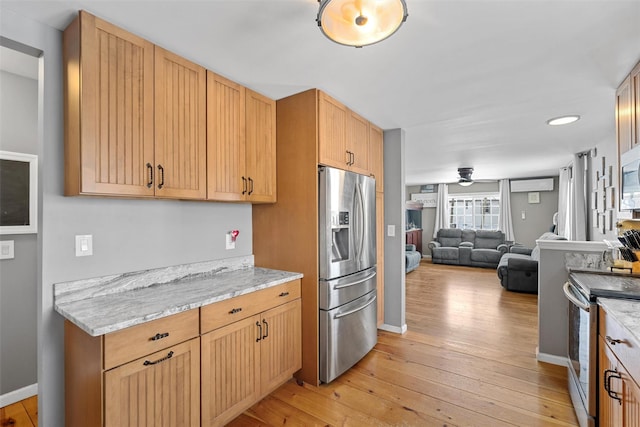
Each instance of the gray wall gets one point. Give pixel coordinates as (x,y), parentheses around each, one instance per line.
(128,234)
(394,260)
(18,277)
(537,220)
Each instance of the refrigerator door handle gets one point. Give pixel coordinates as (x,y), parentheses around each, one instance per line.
(361,220)
(346,285)
(355,310)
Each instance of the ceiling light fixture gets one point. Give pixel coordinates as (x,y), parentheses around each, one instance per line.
(563,120)
(465,176)
(360,22)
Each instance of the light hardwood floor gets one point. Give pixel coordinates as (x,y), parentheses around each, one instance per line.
(468,359)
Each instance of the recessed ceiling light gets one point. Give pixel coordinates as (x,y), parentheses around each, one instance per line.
(564,120)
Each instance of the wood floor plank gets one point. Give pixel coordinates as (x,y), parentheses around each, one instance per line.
(14,415)
(31,406)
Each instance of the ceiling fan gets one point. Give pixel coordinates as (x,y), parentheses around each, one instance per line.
(465,176)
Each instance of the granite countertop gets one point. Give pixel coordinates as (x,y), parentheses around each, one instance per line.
(110,303)
(626,312)
(603,284)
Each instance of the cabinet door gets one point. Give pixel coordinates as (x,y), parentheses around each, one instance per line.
(609,409)
(229,370)
(180,119)
(332,132)
(631,401)
(380,255)
(281,345)
(358,143)
(624,116)
(109,133)
(376,159)
(260,147)
(226,178)
(162,389)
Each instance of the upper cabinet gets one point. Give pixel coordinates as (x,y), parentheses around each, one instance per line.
(141,121)
(628,111)
(180,116)
(241,143)
(343,136)
(109,134)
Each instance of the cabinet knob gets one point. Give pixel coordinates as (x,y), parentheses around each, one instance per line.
(235,310)
(613,341)
(159,336)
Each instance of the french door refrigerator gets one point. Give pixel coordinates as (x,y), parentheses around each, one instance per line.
(347,266)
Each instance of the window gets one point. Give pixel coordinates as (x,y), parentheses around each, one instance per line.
(474,211)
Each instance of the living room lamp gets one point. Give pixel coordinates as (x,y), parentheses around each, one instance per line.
(360,22)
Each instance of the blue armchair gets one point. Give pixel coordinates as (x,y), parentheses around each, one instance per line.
(413,258)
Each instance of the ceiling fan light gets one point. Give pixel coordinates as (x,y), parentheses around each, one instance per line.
(360,22)
(465,183)
(563,120)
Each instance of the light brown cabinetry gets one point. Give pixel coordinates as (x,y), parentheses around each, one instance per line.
(241,142)
(376,156)
(624,116)
(343,136)
(618,373)
(311,130)
(245,359)
(635,101)
(149,372)
(380,255)
(134,125)
(201,367)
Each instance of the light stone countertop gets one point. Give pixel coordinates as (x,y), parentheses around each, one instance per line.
(110,303)
(626,312)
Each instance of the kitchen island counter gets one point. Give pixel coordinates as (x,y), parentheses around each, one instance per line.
(111,303)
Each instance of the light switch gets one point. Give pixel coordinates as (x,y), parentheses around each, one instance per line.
(6,249)
(523,215)
(84,245)
(391,230)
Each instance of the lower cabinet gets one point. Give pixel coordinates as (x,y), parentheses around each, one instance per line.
(618,390)
(246,360)
(202,367)
(162,389)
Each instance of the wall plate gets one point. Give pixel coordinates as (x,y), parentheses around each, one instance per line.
(6,249)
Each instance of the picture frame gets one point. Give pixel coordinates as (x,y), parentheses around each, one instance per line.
(428,188)
(611,197)
(533,197)
(595,219)
(18,193)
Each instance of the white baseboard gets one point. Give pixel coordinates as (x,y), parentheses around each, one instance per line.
(551,358)
(394,329)
(18,395)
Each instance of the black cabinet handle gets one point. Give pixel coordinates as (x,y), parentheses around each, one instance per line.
(159,336)
(251,185)
(283,294)
(235,310)
(259,331)
(266,329)
(353,158)
(613,341)
(608,374)
(167,357)
(161,169)
(244,185)
(150,169)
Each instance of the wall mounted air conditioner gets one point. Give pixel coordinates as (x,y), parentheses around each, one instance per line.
(527,185)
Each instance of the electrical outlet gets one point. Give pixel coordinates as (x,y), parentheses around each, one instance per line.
(230,243)
(391,230)
(84,245)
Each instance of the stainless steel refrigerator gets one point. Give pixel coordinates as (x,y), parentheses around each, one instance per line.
(347,265)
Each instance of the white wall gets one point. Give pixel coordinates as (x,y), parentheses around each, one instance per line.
(128,234)
(18,276)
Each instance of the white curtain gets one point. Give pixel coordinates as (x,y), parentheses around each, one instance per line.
(505,222)
(442,209)
(572,201)
(578,205)
(564,189)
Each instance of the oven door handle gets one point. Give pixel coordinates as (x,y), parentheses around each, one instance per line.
(570,293)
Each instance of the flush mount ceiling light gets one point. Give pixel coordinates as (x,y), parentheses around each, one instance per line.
(360,22)
(564,120)
(465,176)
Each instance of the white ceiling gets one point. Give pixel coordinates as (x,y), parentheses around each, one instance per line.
(471,82)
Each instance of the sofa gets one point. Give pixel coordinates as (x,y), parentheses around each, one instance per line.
(412,257)
(518,269)
(475,248)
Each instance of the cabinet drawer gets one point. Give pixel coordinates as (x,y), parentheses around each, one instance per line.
(625,347)
(222,313)
(138,341)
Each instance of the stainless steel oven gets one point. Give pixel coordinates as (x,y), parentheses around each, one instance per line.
(582,349)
